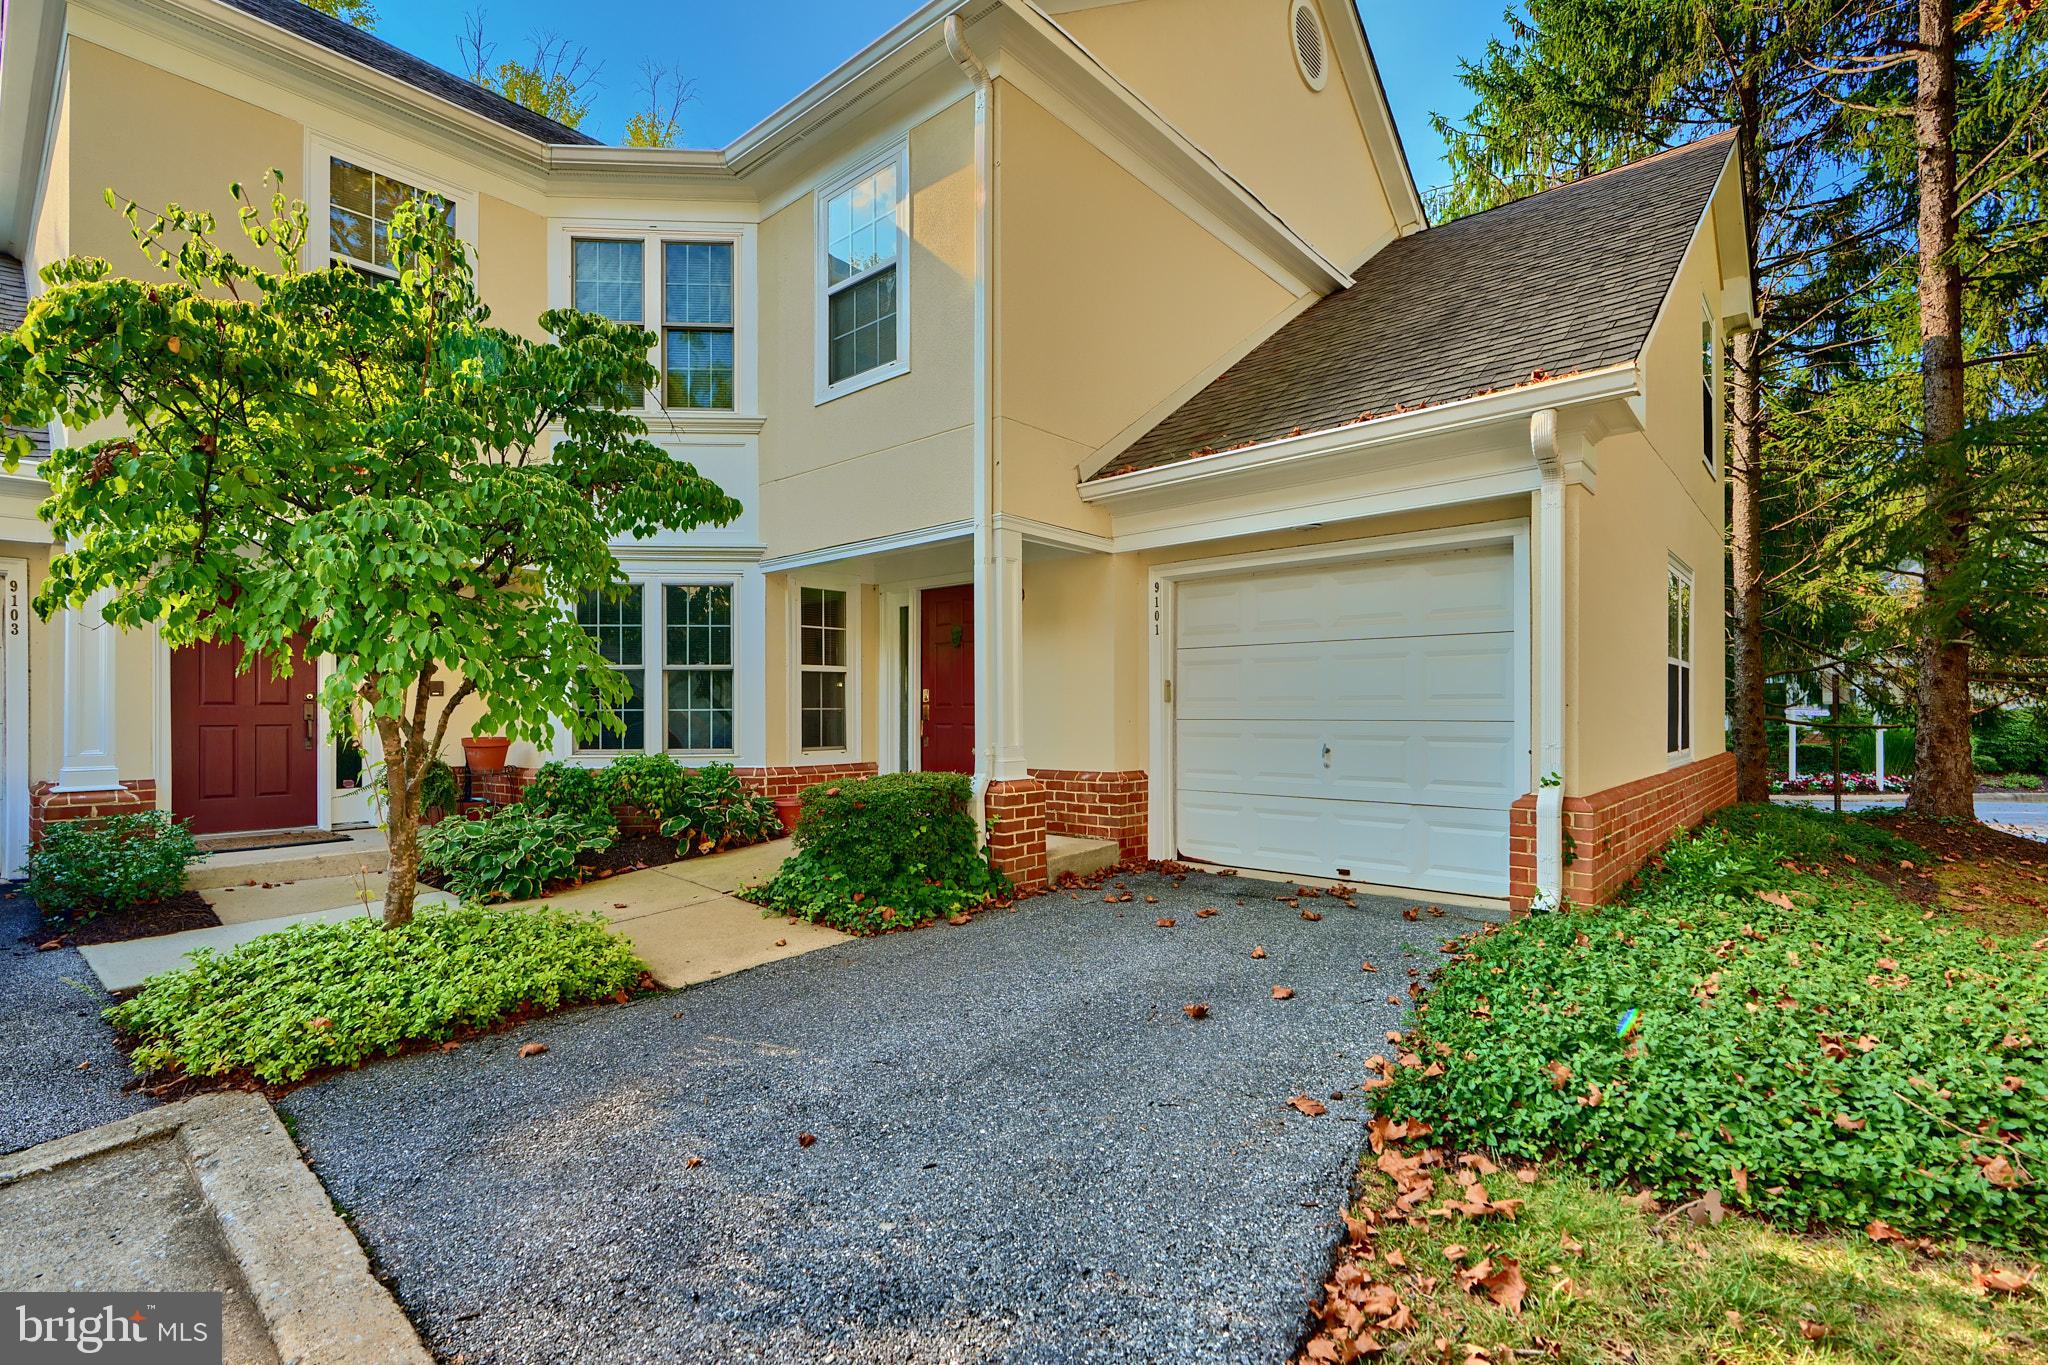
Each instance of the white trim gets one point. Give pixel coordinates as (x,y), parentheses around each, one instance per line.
(1713,441)
(1613,381)
(1039,532)
(1161,836)
(88,716)
(321,151)
(849,752)
(873,545)
(14,721)
(896,154)
(1546,678)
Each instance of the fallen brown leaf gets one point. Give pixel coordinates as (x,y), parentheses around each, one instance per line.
(1995,1279)
(806,1139)
(532,1049)
(1258,952)
(1310,1105)
(1812,1331)
(1311,915)
(1506,1287)
(1283,992)
(1164,923)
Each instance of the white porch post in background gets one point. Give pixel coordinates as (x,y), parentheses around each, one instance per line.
(1880,758)
(1549,651)
(1791,752)
(88,724)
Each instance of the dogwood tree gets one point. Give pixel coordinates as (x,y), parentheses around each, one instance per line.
(362,464)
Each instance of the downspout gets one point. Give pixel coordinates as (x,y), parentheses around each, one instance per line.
(1549,678)
(987,663)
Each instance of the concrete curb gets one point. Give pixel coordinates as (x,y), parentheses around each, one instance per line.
(303,1268)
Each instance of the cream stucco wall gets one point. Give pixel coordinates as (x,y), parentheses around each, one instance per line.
(1656,500)
(1224,73)
(894,456)
(1109,299)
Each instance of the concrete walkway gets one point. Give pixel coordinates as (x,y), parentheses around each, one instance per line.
(205,1196)
(686,923)
(682,918)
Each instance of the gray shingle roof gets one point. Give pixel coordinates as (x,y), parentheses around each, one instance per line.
(13,308)
(373,52)
(1564,281)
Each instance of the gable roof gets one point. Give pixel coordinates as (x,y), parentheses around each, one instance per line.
(1560,282)
(13,308)
(348,41)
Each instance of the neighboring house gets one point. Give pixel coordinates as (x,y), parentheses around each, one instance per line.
(1108,421)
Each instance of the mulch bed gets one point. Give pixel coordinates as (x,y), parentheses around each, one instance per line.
(628,853)
(186,910)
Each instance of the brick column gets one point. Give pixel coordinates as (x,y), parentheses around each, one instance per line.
(1016,839)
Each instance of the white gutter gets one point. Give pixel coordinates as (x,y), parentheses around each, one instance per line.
(1549,679)
(1614,381)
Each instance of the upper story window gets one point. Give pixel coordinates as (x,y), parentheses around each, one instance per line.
(609,276)
(1710,389)
(360,205)
(863,236)
(1678,660)
(696,334)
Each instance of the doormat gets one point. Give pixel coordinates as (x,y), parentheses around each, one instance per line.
(280,838)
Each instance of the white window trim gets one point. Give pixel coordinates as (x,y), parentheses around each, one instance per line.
(746,669)
(797,667)
(1678,571)
(651,234)
(320,153)
(1712,439)
(898,154)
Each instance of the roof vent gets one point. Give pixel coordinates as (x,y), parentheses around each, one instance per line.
(1310,53)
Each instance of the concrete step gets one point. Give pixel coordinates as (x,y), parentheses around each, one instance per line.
(365,852)
(1065,853)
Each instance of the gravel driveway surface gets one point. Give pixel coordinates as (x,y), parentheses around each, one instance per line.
(50,1023)
(1025,1150)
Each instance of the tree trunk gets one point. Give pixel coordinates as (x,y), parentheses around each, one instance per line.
(1746,544)
(1944,779)
(1746,489)
(402,826)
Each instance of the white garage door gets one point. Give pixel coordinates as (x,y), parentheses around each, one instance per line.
(1354,721)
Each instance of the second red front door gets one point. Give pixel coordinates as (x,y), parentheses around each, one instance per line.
(242,754)
(946,676)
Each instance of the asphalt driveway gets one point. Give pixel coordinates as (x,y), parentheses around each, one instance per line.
(1024,1149)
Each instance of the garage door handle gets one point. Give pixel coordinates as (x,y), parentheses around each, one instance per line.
(1327,751)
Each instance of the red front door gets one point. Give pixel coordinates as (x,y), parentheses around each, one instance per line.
(946,664)
(242,753)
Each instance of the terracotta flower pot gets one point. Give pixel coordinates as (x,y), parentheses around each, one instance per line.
(787,809)
(485,753)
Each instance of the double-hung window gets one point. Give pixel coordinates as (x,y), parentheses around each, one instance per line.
(821,660)
(360,206)
(863,331)
(697,662)
(697,333)
(690,626)
(1710,389)
(617,625)
(609,276)
(1678,660)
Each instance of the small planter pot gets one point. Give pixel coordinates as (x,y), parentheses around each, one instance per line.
(787,809)
(485,753)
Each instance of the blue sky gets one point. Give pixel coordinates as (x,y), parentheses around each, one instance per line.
(747,58)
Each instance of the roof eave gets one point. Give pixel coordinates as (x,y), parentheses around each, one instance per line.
(1620,381)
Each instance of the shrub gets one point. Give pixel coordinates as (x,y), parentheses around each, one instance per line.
(327,995)
(1763,1019)
(515,854)
(438,789)
(2014,740)
(885,852)
(654,783)
(568,789)
(82,868)
(716,810)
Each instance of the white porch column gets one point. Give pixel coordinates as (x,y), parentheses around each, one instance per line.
(1548,648)
(88,701)
(1880,758)
(999,659)
(1791,752)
